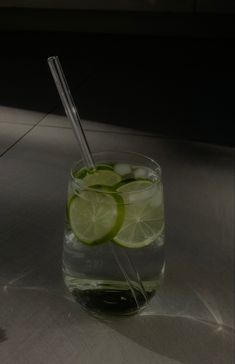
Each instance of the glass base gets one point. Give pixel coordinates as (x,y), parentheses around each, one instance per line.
(110,298)
(111,302)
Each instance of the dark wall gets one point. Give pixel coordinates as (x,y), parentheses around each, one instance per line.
(179,85)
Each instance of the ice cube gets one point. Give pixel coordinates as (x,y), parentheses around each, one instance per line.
(122,169)
(140,173)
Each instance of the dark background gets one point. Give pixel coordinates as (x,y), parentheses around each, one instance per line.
(171,74)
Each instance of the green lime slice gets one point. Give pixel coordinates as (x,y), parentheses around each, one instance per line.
(101,178)
(81,173)
(95,217)
(104,167)
(144,220)
(104,177)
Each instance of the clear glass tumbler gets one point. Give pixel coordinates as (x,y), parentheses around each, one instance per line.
(113,253)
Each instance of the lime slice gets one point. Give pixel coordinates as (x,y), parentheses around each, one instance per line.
(81,173)
(102,175)
(104,166)
(95,217)
(144,221)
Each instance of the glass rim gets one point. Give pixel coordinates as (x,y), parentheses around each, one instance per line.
(125,152)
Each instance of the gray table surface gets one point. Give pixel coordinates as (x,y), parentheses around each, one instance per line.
(190,320)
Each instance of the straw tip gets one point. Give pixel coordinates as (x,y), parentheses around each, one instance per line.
(52,59)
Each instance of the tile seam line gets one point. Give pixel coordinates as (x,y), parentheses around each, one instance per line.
(48,113)
(27,132)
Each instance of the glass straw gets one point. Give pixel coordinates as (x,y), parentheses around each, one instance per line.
(70,109)
(73,116)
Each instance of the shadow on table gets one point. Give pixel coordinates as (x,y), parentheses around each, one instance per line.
(186,340)
(3,336)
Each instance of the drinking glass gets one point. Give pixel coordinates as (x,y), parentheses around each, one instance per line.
(113,251)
